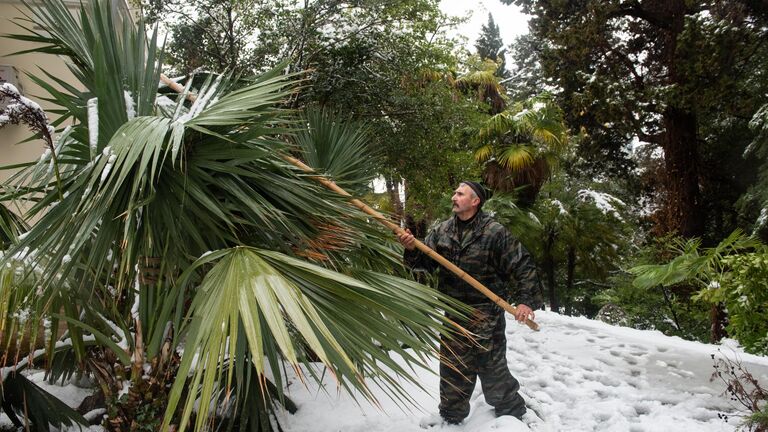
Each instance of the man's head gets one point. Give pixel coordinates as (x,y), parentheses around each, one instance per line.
(467,199)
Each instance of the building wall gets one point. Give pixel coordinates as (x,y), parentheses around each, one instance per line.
(11,152)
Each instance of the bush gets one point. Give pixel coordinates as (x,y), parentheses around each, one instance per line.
(651,309)
(743,289)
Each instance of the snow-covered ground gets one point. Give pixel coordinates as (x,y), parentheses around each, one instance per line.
(578,374)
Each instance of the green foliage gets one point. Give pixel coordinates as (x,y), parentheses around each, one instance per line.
(123,247)
(584,234)
(733,273)
(682,76)
(523,131)
(427,143)
(743,289)
(489,45)
(338,148)
(657,308)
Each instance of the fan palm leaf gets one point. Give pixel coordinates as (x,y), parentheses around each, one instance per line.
(517,157)
(338,148)
(255,297)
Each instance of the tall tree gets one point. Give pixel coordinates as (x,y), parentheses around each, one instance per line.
(656,70)
(490,45)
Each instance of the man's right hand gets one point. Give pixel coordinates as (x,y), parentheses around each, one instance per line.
(407,239)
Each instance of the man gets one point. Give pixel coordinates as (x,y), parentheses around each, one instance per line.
(484,249)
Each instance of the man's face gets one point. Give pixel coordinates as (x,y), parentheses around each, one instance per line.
(464,201)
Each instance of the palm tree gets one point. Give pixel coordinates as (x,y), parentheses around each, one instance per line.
(520,144)
(167,224)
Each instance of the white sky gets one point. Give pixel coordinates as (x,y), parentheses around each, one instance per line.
(510,20)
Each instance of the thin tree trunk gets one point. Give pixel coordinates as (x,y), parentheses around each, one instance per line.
(668,301)
(393,189)
(717,318)
(549,270)
(570,270)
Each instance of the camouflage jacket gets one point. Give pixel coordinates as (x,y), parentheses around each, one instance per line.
(487,252)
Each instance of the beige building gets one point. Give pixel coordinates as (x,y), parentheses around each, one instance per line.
(15,68)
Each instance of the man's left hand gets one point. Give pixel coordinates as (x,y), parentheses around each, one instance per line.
(523,312)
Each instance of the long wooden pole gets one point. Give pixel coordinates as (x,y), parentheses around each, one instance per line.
(386,222)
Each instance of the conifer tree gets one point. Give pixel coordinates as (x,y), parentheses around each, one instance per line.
(490,46)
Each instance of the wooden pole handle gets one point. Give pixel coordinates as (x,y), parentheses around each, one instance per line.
(419,245)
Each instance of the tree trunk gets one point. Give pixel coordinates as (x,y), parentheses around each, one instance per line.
(717,318)
(549,270)
(393,189)
(683,210)
(570,270)
(525,183)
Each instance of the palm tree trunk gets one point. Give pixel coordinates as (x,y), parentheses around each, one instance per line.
(717,318)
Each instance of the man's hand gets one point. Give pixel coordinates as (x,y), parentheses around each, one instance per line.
(523,312)
(407,239)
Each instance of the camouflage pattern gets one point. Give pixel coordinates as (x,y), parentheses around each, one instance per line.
(489,253)
(464,360)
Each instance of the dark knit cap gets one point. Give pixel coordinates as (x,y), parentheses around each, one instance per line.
(481,192)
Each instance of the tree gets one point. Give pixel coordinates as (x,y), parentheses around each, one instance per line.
(656,70)
(489,45)
(169,220)
(520,144)
(581,238)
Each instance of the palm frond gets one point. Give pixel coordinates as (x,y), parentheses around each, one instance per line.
(484,153)
(118,68)
(516,157)
(40,410)
(252,298)
(11,225)
(337,147)
(497,126)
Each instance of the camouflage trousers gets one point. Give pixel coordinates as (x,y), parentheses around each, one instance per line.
(465,360)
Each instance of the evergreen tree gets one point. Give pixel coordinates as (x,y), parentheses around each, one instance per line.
(673,73)
(490,46)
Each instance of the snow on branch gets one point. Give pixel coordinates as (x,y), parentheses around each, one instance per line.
(21,110)
(606,203)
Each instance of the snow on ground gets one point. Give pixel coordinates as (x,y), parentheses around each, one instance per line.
(578,374)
